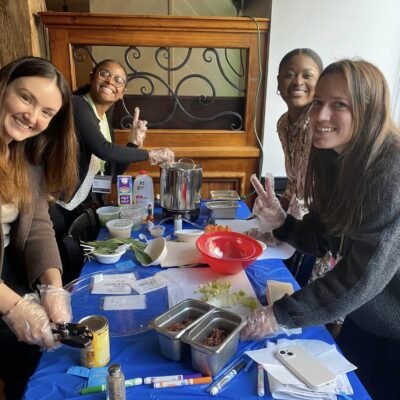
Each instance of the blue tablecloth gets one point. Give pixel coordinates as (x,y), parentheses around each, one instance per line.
(139,354)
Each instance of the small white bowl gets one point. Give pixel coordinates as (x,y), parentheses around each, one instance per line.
(120,228)
(157,231)
(157,250)
(188,235)
(108,258)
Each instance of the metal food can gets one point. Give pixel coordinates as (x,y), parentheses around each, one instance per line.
(98,353)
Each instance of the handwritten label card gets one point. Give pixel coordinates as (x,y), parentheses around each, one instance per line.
(113,284)
(150,284)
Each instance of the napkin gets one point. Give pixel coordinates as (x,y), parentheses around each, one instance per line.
(180,254)
(285,385)
(289,392)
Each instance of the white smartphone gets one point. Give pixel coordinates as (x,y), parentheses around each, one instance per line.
(305,366)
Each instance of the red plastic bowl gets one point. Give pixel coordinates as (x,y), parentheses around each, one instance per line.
(228,252)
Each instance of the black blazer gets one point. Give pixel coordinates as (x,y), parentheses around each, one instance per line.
(92,141)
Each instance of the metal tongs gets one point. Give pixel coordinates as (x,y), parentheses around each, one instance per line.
(74,335)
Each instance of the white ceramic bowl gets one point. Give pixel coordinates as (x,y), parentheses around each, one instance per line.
(120,228)
(188,235)
(108,258)
(157,231)
(157,250)
(107,214)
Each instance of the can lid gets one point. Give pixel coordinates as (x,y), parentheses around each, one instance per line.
(142,172)
(114,369)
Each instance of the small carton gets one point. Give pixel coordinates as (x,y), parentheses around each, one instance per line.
(124,187)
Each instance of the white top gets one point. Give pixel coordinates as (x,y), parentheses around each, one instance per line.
(9,213)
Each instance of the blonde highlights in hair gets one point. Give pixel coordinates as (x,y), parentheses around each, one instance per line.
(341,207)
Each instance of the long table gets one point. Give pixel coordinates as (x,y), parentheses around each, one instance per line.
(139,353)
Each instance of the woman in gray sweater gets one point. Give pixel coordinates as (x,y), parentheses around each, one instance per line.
(352,192)
(37,158)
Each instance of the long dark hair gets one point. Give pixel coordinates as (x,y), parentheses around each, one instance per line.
(55,148)
(341,207)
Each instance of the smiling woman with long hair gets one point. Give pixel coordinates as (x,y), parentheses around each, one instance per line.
(37,158)
(352,193)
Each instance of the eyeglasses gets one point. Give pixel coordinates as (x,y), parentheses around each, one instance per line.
(116,80)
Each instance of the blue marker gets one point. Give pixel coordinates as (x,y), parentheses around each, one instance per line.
(225,379)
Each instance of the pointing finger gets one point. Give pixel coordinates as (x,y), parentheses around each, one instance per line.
(136,115)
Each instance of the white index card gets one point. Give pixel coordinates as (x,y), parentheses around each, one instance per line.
(131,302)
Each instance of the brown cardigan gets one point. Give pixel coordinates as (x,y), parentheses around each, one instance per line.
(32,233)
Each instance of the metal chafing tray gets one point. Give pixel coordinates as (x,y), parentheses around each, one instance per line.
(170,341)
(224,195)
(223,209)
(210,360)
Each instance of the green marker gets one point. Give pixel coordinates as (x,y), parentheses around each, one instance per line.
(103,388)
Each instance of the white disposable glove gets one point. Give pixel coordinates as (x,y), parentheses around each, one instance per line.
(260,323)
(267,237)
(57,303)
(29,322)
(267,207)
(158,156)
(138,129)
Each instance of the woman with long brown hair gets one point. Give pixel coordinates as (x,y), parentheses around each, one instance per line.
(352,193)
(38,154)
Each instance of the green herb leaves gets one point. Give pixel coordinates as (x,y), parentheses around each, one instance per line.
(110,246)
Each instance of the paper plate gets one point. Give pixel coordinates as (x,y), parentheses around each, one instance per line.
(122,322)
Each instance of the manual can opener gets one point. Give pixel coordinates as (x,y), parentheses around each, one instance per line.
(74,335)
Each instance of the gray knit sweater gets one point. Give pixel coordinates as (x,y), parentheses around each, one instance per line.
(365,283)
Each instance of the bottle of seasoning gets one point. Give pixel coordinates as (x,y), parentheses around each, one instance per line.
(115,383)
(177,223)
(149,217)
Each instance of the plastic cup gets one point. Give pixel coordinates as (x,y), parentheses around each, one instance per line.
(134,213)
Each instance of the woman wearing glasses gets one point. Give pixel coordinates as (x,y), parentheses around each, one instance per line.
(98,152)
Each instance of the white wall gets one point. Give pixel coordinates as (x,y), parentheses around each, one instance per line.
(367,29)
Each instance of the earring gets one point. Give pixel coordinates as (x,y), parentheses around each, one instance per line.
(278,92)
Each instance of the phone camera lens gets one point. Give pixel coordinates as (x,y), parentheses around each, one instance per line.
(282,352)
(289,353)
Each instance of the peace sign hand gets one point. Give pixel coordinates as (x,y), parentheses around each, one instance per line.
(267,207)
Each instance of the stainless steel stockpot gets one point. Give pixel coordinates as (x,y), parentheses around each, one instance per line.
(180,185)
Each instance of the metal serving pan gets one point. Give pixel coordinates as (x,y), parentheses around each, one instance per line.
(224,195)
(210,359)
(223,209)
(169,340)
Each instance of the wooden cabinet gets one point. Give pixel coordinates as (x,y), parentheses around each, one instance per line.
(228,157)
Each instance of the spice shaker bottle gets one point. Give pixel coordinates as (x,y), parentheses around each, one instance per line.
(115,383)
(177,223)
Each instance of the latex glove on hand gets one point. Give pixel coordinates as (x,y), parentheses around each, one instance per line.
(294,208)
(29,322)
(138,129)
(266,237)
(158,156)
(260,323)
(267,207)
(57,303)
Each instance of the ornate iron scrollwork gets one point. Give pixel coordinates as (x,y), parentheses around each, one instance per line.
(162,57)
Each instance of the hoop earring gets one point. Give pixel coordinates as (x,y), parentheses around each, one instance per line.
(278,92)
